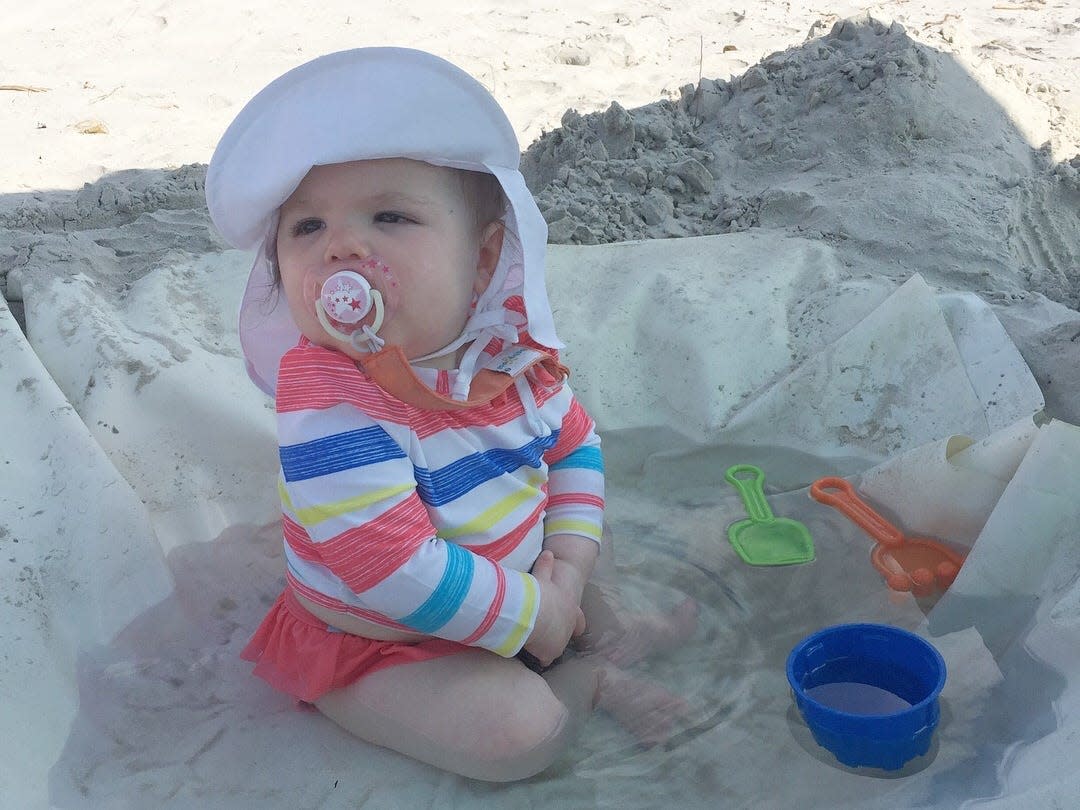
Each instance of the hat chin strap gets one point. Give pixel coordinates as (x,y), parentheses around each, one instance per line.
(481,328)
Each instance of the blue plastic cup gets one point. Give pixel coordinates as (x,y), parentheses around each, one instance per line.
(868,692)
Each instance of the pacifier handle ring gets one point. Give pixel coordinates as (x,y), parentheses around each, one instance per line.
(324,319)
(368,332)
(376,299)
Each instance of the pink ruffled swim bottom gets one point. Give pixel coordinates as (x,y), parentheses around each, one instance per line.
(300,655)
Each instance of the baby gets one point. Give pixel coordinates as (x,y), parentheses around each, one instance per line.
(442,490)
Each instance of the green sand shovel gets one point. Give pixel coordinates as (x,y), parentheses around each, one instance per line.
(764,539)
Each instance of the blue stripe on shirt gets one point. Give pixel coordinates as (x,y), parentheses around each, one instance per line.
(342,451)
(438,487)
(584,458)
(448,595)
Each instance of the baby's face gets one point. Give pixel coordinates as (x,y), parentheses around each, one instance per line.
(409,214)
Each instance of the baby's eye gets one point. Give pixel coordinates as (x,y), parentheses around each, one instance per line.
(307,226)
(392,218)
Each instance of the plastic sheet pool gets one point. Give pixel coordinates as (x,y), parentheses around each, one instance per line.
(141,546)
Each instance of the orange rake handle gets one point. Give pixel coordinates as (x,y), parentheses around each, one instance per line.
(838,493)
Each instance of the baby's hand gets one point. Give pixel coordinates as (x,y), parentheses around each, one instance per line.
(559,618)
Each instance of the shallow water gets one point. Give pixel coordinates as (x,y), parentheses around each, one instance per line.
(169,714)
(670,526)
(857,698)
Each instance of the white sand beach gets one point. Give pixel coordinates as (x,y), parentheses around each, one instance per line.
(829,239)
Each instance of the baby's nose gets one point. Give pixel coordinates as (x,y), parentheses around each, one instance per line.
(347,243)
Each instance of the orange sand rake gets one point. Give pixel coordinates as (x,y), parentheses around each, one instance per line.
(916,564)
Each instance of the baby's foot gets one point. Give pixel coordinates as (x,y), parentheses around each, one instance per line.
(645,709)
(646,634)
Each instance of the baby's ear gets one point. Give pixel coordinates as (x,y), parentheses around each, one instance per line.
(491,240)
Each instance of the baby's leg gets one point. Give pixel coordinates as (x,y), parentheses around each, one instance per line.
(645,708)
(615,639)
(473,713)
(625,638)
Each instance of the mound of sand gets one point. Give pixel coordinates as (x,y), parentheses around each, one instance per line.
(865,138)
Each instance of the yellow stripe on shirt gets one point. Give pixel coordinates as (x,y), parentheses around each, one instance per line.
(313,515)
(529,600)
(496,512)
(582,527)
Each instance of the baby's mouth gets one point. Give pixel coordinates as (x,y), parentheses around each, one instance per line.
(350,308)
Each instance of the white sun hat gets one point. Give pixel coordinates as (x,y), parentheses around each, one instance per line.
(365,104)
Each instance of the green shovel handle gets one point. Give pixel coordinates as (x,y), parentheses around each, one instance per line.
(750,482)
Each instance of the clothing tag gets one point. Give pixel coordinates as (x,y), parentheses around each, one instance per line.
(515,360)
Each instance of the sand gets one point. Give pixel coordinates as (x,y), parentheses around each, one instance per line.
(862,144)
(939,139)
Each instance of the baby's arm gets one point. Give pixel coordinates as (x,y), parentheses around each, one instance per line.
(358,535)
(573,524)
(363,536)
(573,560)
(559,617)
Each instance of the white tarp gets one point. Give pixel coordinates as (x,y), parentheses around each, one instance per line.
(140,546)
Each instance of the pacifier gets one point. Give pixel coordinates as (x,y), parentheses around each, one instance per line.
(348,307)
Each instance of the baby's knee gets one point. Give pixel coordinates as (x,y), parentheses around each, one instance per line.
(523,739)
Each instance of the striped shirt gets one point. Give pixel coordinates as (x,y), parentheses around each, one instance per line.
(428,520)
